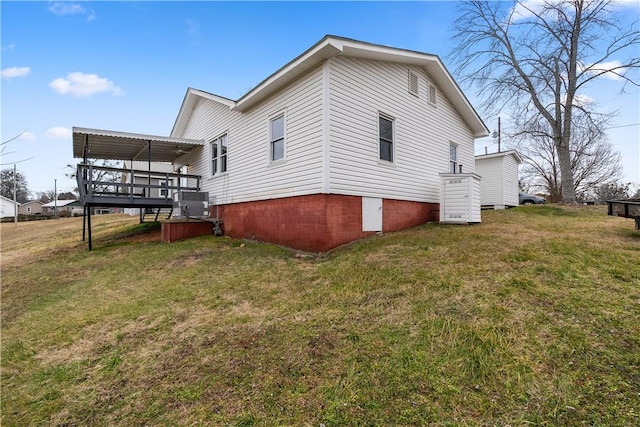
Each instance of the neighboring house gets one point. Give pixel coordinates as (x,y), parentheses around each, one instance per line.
(154,179)
(346,140)
(62,206)
(7,207)
(32,207)
(499,187)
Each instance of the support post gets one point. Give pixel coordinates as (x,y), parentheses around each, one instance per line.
(89,225)
(84,221)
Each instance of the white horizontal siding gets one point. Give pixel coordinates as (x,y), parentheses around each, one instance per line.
(360,90)
(511,186)
(491,186)
(499,186)
(250,175)
(460,198)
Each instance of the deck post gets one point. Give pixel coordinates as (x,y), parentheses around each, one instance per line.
(89,225)
(84,221)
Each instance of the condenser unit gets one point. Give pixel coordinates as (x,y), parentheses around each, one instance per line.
(191,204)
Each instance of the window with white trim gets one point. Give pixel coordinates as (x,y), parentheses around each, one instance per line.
(385,131)
(164,190)
(28,209)
(218,150)
(453,158)
(276,138)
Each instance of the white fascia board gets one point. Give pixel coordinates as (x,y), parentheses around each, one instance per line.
(501,154)
(144,137)
(189,102)
(324,49)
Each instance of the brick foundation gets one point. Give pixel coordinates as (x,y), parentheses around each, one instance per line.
(179,230)
(318,222)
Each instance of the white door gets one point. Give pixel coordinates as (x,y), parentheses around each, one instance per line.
(371,214)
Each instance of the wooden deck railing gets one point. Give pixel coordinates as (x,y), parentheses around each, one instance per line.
(136,188)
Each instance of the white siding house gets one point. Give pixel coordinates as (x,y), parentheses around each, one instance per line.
(347,139)
(499,187)
(7,207)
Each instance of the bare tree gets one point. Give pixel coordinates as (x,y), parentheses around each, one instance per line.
(593,160)
(534,58)
(100,175)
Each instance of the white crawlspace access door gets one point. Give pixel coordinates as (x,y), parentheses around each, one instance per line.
(371,214)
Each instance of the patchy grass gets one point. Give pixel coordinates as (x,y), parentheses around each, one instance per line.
(531,318)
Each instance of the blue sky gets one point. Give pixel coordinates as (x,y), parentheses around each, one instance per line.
(126,66)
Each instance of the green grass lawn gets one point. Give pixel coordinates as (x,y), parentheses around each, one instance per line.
(530,318)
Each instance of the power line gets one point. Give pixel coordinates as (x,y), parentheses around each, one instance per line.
(622,126)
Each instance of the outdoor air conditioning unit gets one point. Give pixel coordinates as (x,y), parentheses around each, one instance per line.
(191,204)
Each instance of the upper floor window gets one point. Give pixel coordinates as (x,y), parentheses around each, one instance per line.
(276,138)
(218,148)
(385,129)
(453,158)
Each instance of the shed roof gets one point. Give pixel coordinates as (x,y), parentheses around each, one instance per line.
(60,203)
(111,145)
(501,154)
(329,47)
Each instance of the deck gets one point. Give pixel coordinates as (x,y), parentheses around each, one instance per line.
(142,189)
(147,190)
(627,208)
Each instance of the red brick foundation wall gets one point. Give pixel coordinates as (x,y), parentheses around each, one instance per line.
(318,222)
(173,231)
(401,214)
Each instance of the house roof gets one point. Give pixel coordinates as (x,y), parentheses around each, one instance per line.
(8,200)
(329,47)
(111,145)
(501,154)
(60,203)
(32,201)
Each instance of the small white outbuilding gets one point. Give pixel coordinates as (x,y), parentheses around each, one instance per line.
(499,187)
(7,207)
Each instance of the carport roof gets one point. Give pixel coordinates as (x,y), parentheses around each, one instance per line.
(112,145)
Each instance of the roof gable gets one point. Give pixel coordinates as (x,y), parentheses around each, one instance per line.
(327,48)
(513,153)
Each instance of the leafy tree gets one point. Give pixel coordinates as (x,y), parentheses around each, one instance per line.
(534,58)
(7,185)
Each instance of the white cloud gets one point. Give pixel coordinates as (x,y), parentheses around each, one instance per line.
(64,8)
(9,47)
(9,73)
(606,66)
(81,84)
(27,136)
(58,132)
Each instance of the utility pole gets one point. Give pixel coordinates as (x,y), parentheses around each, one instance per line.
(15,199)
(499,134)
(55,198)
